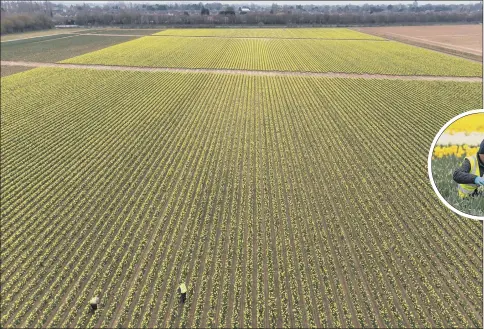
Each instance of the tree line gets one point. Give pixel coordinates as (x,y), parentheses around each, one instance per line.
(25,22)
(133,18)
(20,16)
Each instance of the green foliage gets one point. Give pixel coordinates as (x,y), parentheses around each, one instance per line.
(56,48)
(315,55)
(442,170)
(21,23)
(9,70)
(280,201)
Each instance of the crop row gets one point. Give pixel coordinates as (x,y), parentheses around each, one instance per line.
(316,33)
(347,56)
(249,189)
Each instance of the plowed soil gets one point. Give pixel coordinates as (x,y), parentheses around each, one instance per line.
(457,39)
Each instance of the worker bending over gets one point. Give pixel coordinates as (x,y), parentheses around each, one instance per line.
(182,289)
(469,176)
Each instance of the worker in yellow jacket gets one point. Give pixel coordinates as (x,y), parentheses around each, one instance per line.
(469,176)
(182,289)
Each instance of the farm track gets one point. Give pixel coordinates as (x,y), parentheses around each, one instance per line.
(107,34)
(67,37)
(244,72)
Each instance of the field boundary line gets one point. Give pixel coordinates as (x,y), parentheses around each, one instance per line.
(69,36)
(246,72)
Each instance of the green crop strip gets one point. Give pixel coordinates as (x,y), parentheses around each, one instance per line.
(56,48)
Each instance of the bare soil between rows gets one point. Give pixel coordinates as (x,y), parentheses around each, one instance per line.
(245,72)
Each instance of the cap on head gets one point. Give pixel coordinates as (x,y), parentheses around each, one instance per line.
(481,149)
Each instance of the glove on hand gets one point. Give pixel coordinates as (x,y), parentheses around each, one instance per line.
(479,181)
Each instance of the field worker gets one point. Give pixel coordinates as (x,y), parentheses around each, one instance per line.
(469,176)
(94,302)
(182,289)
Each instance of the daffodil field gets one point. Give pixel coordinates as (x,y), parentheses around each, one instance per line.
(459,151)
(299,33)
(290,201)
(467,124)
(273,54)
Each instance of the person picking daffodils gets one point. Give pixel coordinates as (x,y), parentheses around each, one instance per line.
(470,174)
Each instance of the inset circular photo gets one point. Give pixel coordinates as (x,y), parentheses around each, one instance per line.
(456,164)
